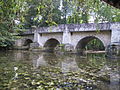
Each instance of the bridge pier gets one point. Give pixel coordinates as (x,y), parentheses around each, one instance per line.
(37,40)
(67,40)
(115,33)
(66,36)
(113,50)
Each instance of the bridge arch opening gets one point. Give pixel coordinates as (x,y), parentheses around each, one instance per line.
(90,43)
(27,42)
(51,44)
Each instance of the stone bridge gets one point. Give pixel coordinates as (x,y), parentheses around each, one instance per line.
(75,36)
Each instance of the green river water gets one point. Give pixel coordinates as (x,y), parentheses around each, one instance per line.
(26,70)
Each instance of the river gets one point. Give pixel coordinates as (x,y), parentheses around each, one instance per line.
(26,70)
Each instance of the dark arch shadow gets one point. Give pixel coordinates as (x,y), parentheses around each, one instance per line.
(83,42)
(27,42)
(51,44)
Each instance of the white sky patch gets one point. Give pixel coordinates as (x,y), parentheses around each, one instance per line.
(91,20)
(61,4)
(17,22)
(39,17)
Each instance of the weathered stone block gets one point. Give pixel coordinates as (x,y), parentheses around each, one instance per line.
(68,48)
(34,45)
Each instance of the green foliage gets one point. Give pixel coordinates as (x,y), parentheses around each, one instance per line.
(95,44)
(47,13)
(21,75)
(98,9)
(10,10)
(42,13)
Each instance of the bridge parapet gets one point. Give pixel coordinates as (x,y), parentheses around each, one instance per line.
(115,25)
(88,27)
(76,28)
(28,32)
(59,28)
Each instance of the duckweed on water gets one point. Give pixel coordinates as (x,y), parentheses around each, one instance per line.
(24,75)
(43,78)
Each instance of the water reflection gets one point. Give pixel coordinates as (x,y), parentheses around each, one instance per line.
(93,64)
(69,64)
(114,74)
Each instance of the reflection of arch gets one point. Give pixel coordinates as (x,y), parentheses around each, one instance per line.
(27,42)
(83,42)
(91,62)
(51,59)
(51,44)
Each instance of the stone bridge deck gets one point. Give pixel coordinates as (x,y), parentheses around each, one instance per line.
(75,28)
(50,37)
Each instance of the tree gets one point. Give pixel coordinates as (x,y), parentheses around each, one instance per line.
(100,11)
(47,12)
(10,10)
(42,13)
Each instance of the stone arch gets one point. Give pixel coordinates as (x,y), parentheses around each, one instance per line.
(50,44)
(85,40)
(27,42)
